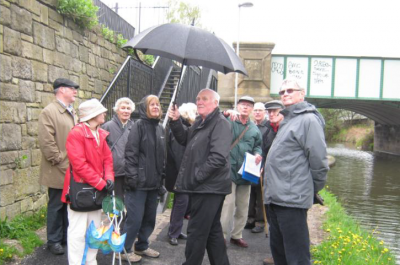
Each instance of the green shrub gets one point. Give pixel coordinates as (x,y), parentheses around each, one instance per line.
(107,33)
(121,41)
(82,12)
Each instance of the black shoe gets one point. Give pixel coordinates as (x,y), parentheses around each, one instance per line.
(56,249)
(182,236)
(173,241)
(257,229)
(249,225)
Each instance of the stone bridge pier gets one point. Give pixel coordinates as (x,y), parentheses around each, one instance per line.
(387,139)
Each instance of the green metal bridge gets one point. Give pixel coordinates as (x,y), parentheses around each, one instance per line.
(366,85)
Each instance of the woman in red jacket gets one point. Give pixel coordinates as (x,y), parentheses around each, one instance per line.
(92,163)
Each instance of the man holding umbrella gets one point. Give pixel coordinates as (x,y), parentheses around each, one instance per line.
(204,173)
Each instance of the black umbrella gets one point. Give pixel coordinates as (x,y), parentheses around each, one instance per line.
(189,45)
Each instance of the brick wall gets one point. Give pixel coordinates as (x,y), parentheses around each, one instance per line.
(38,45)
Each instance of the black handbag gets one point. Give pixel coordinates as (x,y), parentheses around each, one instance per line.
(83,197)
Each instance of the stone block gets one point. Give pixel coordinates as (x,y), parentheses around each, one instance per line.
(36,157)
(74,78)
(100,63)
(23,160)
(48,87)
(44,14)
(76,35)
(104,53)
(27,38)
(3,213)
(27,91)
(1,43)
(67,33)
(39,86)
(98,86)
(104,75)
(49,56)
(9,91)
(84,54)
(12,41)
(47,98)
(52,3)
(74,51)
(6,177)
(84,82)
(11,137)
(12,112)
(13,210)
(27,205)
(6,69)
(81,93)
(33,114)
(31,5)
(56,26)
(5,16)
(42,201)
(43,36)
(32,127)
(76,66)
(32,51)
(8,157)
(92,71)
(27,181)
(29,142)
(7,195)
(21,20)
(92,59)
(22,68)
(54,15)
(39,71)
(56,72)
(62,45)
(24,130)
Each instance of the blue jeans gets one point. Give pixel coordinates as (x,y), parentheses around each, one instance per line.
(142,209)
(289,237)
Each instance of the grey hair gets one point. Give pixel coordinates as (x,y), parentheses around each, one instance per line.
(188,111)
(216,96)
(124,100)
(56,90)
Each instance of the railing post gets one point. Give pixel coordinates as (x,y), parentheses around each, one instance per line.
(129,79)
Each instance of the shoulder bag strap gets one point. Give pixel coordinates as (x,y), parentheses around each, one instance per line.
(240,137)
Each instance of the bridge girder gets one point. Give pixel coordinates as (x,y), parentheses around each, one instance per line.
(382,112)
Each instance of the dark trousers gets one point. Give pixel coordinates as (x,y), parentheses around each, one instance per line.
(289,237)
(181,201)
(255,205)
(57,218)
(205,230)
(119,187)
(142,210)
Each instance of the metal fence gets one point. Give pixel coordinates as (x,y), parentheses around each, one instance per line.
(112,20)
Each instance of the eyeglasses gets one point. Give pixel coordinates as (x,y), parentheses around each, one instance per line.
(289,91)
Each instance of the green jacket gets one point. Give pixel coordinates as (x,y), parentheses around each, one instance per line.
(251,142)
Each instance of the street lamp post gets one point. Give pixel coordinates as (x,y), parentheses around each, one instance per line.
(245,4)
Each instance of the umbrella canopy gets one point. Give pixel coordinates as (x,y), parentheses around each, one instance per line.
(189,45)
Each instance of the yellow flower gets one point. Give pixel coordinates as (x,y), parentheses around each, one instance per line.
(389,259)
(381,242)
(42,216)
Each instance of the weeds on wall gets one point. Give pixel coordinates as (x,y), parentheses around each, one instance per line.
(82,12)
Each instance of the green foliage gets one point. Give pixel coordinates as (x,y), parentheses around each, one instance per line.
(19,160)
(82,12)
(170,201)
(183,13)
(107,33)
(347,242)
(21,228)
(121,41)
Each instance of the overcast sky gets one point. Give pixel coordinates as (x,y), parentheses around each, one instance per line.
(310,27)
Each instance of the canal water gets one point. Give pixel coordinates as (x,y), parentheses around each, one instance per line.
(368,186)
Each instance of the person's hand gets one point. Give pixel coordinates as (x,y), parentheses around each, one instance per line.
(109,186)
(258,159)
(173,113)
(232,114)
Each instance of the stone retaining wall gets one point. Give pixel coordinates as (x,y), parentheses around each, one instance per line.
(38,45)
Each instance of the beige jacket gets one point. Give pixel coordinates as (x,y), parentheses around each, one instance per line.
(55,122)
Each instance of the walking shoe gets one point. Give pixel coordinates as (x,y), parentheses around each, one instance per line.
(182,236)
(56,249)
(132,257)
(173,241)
(257,229)
(239,242)
(268,261)
(148,253)
(249,226)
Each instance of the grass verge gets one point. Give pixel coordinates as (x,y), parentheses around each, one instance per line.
(22,229)
(347,242)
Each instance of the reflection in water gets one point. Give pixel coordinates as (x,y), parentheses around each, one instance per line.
(369,188)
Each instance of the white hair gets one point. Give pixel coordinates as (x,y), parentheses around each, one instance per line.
(259,105)
(216,96)
(290,83)
(126,101)
(188,111)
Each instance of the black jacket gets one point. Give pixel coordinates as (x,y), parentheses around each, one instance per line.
(144,153)
(205,166)
(175,153)
(117,140)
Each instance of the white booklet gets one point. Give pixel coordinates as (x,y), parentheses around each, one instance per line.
(249,165)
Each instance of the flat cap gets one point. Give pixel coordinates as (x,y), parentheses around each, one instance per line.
(63,82)
(246,98)
(274,104)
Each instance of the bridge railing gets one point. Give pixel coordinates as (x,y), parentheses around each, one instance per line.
(367,78)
